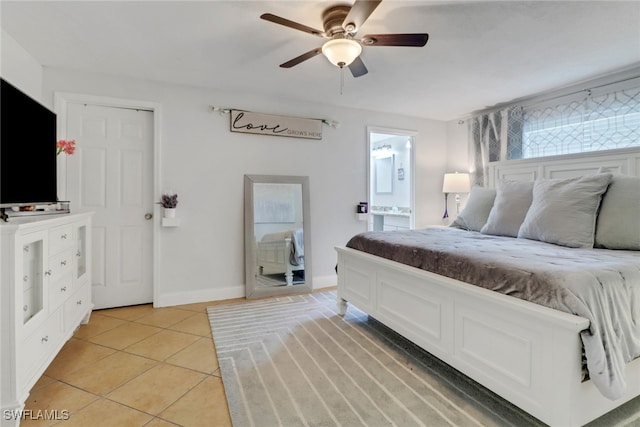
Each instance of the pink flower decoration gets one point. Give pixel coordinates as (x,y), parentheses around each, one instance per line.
(67,147)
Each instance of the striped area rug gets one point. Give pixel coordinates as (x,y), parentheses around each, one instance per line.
(292,361)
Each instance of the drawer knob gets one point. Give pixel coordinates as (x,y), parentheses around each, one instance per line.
(45,338)
(25,308)
(25,248)
(63,289)
(48,272)
(63,262)
(25,278)
(64,236)
(79,302)
(78,254)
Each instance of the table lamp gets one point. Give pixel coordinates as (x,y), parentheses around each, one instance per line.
(455,183)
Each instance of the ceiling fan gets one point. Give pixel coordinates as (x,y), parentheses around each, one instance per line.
(341,23)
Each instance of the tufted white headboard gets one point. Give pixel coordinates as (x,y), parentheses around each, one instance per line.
(624,161)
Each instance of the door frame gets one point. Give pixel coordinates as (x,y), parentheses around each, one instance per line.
(397,132)
(61,100)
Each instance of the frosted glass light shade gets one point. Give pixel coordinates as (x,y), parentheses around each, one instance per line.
(456,183)
(341,52)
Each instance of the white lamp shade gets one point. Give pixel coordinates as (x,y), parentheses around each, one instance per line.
(341,52)
(456,183)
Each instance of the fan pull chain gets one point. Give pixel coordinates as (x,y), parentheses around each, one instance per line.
(341,79)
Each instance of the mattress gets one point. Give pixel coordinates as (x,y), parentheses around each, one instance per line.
(601,285)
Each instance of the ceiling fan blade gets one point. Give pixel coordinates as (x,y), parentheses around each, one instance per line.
(301,58)
(291,24)
(357,68)
(358,14)
(417,40)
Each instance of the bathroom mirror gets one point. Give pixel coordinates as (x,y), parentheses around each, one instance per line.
(277,238)
(384,175)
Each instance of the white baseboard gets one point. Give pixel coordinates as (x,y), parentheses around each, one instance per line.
(204,295)
(230,292)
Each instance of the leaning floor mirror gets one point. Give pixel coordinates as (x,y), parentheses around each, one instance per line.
(277,238)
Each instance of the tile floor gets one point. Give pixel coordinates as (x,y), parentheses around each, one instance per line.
(135,366)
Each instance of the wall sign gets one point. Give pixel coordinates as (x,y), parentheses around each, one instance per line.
(269,124)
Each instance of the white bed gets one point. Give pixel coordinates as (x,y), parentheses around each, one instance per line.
(281,253)
(529,354)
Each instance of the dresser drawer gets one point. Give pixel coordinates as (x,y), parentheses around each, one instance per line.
(38,347)
(60,290)
(60,264)
(60,238)
(76,307)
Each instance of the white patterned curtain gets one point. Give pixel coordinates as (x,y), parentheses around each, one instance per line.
(494,136)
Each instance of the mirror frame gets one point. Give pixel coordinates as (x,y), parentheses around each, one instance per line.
(251,288)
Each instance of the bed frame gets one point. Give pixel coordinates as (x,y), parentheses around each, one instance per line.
(526,353)
(273,258)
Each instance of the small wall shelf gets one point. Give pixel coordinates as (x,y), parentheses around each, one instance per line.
(170,222)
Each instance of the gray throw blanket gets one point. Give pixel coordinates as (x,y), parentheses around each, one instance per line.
(601,285)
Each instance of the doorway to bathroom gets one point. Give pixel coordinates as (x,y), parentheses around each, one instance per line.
(391,176)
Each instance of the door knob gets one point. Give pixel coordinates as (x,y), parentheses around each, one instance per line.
(148,216)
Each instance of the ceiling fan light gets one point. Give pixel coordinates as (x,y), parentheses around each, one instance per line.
(341,52)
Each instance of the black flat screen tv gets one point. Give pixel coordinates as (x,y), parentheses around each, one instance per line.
(28,165)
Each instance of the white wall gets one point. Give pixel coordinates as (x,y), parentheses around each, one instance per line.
(19,68)
(205,164)
(457,157)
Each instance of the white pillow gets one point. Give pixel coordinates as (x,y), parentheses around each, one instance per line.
(618,224)
(564,211)
(476,211)
(512,202)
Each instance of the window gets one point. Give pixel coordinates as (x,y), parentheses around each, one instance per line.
(596,122)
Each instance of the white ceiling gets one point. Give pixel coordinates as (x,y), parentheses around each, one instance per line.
(479,54)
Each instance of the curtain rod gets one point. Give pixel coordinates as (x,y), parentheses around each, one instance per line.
(541,99)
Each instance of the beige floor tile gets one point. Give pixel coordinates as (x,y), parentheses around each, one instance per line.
(199,356)
(201,307)
(124,335)
(197,324)
(204,405)
(164,317)
(109,373)
(76,354)
(42,381)
(198,307)
(131,312)
(227,301)
(98,323)
(158,422)
(56,399)
(93,363)
(105,413)
(162,345)
(157,388)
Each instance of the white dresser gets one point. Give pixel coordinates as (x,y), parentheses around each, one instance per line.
(46,295)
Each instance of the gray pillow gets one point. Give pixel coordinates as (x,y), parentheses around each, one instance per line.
(476,211)
(618,224)
(564,211)
(512,202)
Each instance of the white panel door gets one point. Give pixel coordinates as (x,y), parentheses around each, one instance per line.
(111,174)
